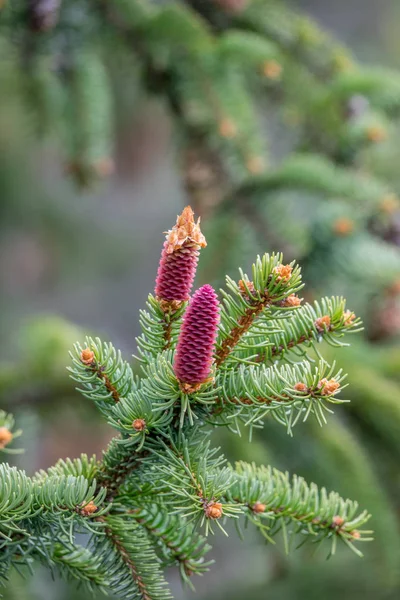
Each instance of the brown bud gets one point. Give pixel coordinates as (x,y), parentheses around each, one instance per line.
(5,437)
(348,317)
(259,507)
(292,300)
(87,509)
(328,387)
(242,286)
(389,204)
(376,134)
(272,69)
(227,128)
(139,424)
(356,534)
(282,272)
(87,356)
(170,306)
(213,510)
(322,323)
(337,521)
(255,164)
(343,226)
(301,387)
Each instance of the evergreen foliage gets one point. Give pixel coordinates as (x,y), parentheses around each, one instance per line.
(161,487)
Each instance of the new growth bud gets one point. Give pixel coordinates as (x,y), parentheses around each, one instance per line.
(328,386)
(87,356)
(259,508)
(195,349)
(5,437)
(178,261)
(213,510)
(139,424)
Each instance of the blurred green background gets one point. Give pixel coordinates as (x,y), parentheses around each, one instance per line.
(75,261)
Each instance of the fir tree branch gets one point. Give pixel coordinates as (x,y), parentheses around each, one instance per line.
(266,294)
(271,496)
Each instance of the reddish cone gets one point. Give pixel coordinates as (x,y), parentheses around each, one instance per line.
(178,261)
(195,349)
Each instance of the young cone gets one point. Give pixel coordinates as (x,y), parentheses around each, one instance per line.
(195,349)
(178,261)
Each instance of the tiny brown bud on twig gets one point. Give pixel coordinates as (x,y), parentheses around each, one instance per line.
(255,164)
(291,300)
(244,286)
(348,317)
(227,128)
(259,507)
(213,510)
(301,387)
(356,534)
(87,509)
(343,226)
(376,133)
(139,424)
(328,387)
(5,437)
(282,272)
(87,356)
(272,69)
(322,323)
(337,521)
(389,204)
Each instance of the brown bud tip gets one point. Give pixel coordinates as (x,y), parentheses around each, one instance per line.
(139,424)
(169,305)
(227,128)
(258,507)
(213,510)
(5,436)
(376,134)
(186,228)
(328,386)
(389,204)
(292,300)
(301,387)
(88,509)
(348,317)
(272,69)
(191,388)
(87,356)
(255,165)
(337,521)
(343,226)
(356,534)
(244,286)
(322,323)
(282,272)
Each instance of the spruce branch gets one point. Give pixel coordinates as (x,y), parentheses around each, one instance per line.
(160,480)
(266,295)
(276,502)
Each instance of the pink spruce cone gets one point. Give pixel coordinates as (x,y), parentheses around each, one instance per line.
(195,349)
(178,261)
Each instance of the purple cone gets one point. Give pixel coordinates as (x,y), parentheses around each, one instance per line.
(196,342)
(179,258)
(176,272)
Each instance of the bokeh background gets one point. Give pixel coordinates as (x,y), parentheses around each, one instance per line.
(75,261)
